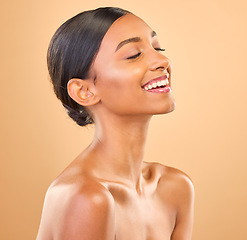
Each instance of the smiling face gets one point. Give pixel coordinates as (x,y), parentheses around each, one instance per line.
(131,72)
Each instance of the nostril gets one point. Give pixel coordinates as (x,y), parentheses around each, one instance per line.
(158,61)
(161,67)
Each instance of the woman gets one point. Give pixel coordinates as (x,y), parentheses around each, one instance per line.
(107,68)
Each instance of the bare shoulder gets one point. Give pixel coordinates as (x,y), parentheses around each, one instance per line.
(74,210)
(172,179)
(176,190)
(181,179)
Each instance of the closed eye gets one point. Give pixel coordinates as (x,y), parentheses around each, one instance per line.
(138,54)
(160,49)
(134,56)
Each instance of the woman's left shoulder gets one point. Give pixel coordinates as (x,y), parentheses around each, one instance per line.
(180,178)
(174,180)
(176,192)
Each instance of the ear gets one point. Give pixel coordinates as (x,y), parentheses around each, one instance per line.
(82,91)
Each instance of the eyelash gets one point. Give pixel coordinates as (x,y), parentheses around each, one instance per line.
(138,54)
(160,49)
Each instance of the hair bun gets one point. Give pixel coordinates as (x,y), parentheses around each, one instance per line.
(81,117)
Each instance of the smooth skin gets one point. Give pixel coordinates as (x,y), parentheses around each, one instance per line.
(108,192)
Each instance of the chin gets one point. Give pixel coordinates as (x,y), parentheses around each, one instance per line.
(172,107)
(169,107)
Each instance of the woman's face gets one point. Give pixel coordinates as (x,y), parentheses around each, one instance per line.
(131,71)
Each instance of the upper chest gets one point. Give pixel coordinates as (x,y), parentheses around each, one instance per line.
(146,216)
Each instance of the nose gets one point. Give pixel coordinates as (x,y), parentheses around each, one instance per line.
(159,62)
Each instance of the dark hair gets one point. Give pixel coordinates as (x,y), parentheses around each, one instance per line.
(72,50)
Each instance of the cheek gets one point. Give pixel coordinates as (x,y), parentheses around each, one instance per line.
(119,87)
(121,77)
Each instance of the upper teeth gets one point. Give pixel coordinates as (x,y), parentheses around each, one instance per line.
(157,84)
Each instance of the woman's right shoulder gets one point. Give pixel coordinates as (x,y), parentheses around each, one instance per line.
(84,190)
(77,208)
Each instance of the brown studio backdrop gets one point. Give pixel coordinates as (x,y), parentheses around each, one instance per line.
(205,136)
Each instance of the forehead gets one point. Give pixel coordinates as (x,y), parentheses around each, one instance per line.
(125,27)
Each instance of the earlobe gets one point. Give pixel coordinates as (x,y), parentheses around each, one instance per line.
(82,92)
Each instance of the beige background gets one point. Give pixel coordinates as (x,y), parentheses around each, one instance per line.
(205,137)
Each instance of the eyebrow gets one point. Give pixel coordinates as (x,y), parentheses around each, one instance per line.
(134,39)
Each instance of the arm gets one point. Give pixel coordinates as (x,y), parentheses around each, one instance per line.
(185,209)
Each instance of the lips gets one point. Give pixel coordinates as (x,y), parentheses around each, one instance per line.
(157,84)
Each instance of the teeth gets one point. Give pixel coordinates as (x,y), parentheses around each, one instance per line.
(157,84)
(154,85)
(163,82)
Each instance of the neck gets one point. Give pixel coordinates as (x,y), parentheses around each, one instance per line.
(118,149)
